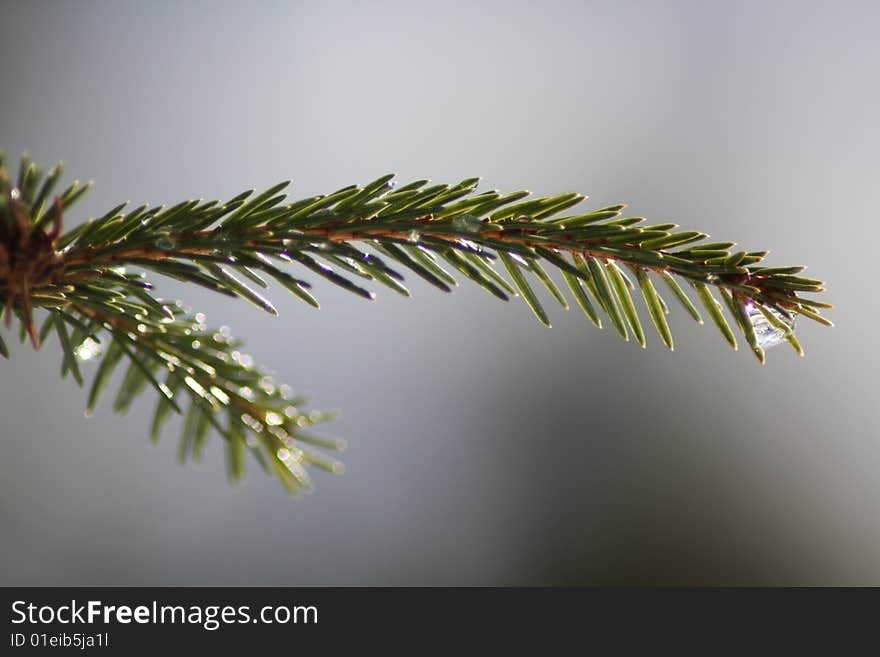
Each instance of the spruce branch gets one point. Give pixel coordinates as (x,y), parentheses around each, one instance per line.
(91,285)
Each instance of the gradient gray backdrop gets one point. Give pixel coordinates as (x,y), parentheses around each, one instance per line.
(484,449)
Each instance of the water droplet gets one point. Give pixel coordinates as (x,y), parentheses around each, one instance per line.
(200,318)
(88,350)
(246,392)
(165,241)
(195,386)
(168,392)
(279,433)
(769,335)
(14,194)
(142,328)
(294,464)
(274,419)
(467,223)
(252,423)
(413,236)
(220,395)
(196,344)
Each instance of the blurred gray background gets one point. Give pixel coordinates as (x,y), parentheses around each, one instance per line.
(484,449)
